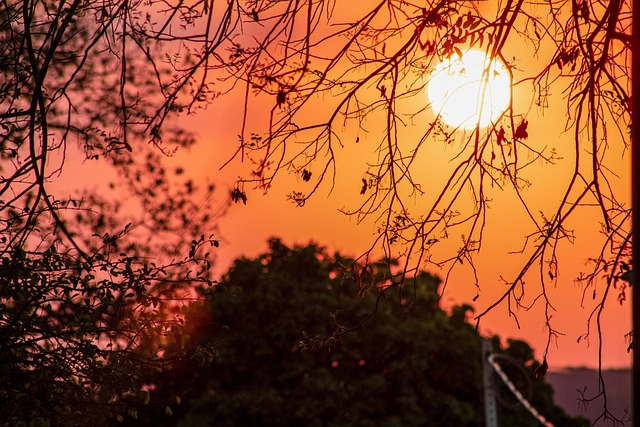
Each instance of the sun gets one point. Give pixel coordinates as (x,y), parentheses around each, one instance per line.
(471,90)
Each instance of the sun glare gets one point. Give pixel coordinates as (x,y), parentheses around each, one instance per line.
(465,95)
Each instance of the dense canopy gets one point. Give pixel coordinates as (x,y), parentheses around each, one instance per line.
(280,327)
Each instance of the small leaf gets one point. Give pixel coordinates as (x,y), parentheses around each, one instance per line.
(521,130)
(168,411)
(500,136)
(238,195)
(281,97)
(467,21)
(364,186)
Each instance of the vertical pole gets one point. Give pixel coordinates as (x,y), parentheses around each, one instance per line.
(490,412)
(635,206)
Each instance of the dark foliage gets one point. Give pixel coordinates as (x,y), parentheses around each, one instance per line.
(281,351)
(89,292)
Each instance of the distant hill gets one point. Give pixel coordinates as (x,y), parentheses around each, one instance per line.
(568,383)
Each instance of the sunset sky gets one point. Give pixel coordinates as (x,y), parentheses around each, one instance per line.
(245,229)
(161,157)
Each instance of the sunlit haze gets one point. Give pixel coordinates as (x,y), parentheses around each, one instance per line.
(244,229)
(470,90)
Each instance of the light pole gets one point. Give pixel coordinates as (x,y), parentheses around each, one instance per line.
(490,409)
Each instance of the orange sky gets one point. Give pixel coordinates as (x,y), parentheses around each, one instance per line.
(245,229)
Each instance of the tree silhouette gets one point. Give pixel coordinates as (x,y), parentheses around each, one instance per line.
(334,74)
(271,323)
(112,76)
(371,66)
(89,291)
(331,74)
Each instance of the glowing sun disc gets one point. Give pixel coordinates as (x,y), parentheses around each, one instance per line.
(457,87)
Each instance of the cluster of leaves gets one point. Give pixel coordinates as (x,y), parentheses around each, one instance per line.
(91,285)
(79,332)
(274,344)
